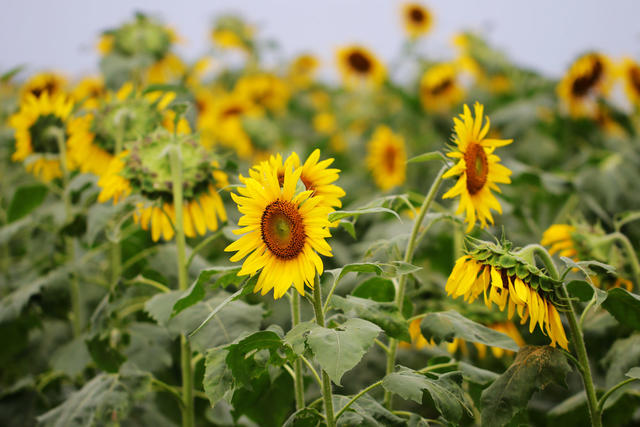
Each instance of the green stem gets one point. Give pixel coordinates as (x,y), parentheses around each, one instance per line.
(631,255)
(312,370)
(408,257)
(202,244)
(438,366)
(146,281)
(605,396)
(576,334)
(116,264)
(298,380)
(185,348)
(358,396)
(326,382)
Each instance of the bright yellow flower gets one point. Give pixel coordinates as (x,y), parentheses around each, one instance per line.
(359,65)
(478,168)
(440,89)
(227,115)
(105,44)
(588,79)
(558,238)
(302,71)
(264,89)
(417,19)
(47,82)
(387,158)
(169,69)
(89,92)
(324,123)
(630,71)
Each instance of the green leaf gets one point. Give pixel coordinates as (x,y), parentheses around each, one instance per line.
(444,390)
(447,325)
(584,291)
(218,379)
(8,75)
(377,289)
(623,356)
(25,200)
(624,306)
(196,292)
(160,306)
(106,357)
(337,215)
(71,358)
(634,373)
(384,314)
(296,338)
(427,157)
(267,401)
(243,367)
(305,417)
(339,350)
(148,348)
(349,228)
(361,267)
(364,411)
(587,266)
(400,268)
(533,369)
(477,375)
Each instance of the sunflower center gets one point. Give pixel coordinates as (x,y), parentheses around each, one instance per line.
(359,62)
(389,158)
(49,87)
(441,87)
(43,140)
(231,111)
(634,75)
(583,84)
(477,167)
(282,229)
(416,15)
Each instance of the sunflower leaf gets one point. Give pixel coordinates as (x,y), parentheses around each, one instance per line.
(337,215)
(384,314)
(196,291)
(25,200)
(427,157)
(585,291)
(624,306)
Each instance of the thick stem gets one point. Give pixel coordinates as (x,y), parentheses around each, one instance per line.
(185,348)
(326,382)
(298,381)
(408,257)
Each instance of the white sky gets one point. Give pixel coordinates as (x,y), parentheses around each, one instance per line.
(543,34)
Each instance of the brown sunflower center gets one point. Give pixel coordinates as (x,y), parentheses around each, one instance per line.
(634,76)
(234,110)
(477,167)
(441,87)
(584,83)
(49,87)
(390,158)
(417,15)
(282,229)
(359,62)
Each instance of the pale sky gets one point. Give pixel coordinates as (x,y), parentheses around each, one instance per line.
(543,34)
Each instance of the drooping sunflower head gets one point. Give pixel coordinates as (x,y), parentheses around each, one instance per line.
(502,277)
(264,89)
(417,19)
(141,36)
(478,169)
(630,71)
(588,78)
(89,92)
(47,82)
(302,70)
(359,65)
(440,89)
(39,125)
(231,32)
(387,158)
(283,231)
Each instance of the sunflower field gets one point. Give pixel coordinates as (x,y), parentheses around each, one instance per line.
(236,241)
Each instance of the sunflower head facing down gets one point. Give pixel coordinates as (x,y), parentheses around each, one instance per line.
(283,230)
(39,124)
(144,169)
(478,169)
(387,158)
(141,36)
(588,78)
(417,19)
(359,65)
(502,277)
(440,89)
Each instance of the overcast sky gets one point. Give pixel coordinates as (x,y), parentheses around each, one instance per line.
(543,34)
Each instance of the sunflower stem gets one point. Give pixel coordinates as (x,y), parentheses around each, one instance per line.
(576,334)
(326,382)
(298,380)
(185,348)
(408,258)
(116,251)
(628,248)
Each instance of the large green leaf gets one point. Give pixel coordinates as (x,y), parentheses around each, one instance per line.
(444,389)
(361,267)
(624,306)
(634,373)
(585,291)
(476,375)
(196,291)
(244,367)
(306,417)
(365,411)
(376,288)
(160,306)
(339,350)
(218,379)
(384,314)
(296,338)
(25,200)
(623,355)
(71,358)
(533,369)
(447,325)
(268,399)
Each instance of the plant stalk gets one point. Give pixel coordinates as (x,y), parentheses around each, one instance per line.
(326,381)
(298,381)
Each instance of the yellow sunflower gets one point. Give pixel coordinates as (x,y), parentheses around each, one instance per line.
(387,158)
(36,144)
(166,70)
(479,169)
(227,116)
(264,89)
(440,89)
(105,44)
(47,82)
(630,71)
(231,32)
(89,92)
(588,78)
(324,123)
(558,238)
(359,65)
(283,232)
(417,19)
(302,71)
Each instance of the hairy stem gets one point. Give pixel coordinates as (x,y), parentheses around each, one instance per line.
(326,382)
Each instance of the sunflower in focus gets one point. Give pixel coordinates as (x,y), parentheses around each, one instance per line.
(38,125)
(503,278)
(479,170)
(440,89)
(144,169)
(630,71)
(359,65)
(47,82)
(588,78)
(417,19)
(302,71)
(283,232)
(387,158)
(89,92)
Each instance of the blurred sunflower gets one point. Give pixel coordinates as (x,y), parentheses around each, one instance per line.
(38,125)
(168,69)
(264,89)
(630,71)
(357,64)
(141,36)
(47,82)
(417,19)
(588,78)
(387,158)
(145,169)
(283,232)
(231,32)
(507,280)
(478,168)
(440,89)
(558,238)
(302,71)
(324,123)
(89,92)
(226,122)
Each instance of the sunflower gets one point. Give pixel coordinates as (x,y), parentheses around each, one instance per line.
(264,89)
(47,82)
(359,65)
(387,158)
(588,79)
(440,89)
(558,238)
(302,71)
(226,122)
(417,19)
(166,70)
(507,280)
(324,123)
(231,32)
(105,44)
(479,169)
(89,92)
(630,71)
(283,232)
(36,144)
(144,169)
(141,36)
